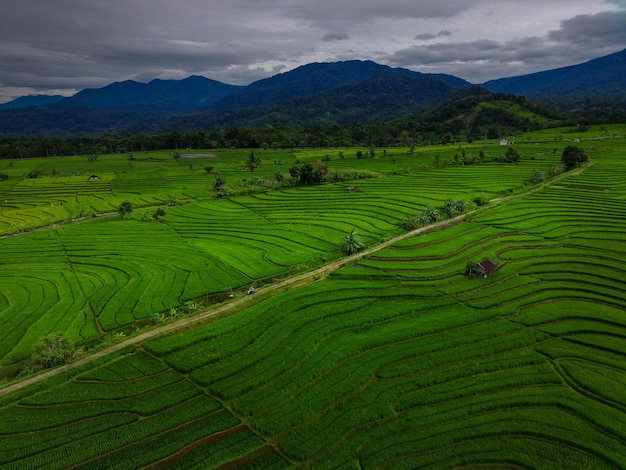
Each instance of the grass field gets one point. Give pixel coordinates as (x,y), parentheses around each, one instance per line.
(397,361)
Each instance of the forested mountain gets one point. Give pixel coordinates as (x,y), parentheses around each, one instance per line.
(313,79)
(597,83)
(377,98)
(191,93)
(33,100)
(319,93)
(315,94)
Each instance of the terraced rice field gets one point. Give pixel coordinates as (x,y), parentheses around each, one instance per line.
(398,361)
(94,277)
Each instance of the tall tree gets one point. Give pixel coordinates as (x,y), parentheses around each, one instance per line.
(252,163)
(572,156)
(307,174)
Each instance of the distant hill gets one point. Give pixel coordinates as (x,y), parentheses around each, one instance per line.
(380,97)
(191,93)
(313,79)
(319,93)
(32,100)
(599,79)
(478,113)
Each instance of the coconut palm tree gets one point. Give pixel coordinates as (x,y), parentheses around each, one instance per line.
(252,163)
(353,243)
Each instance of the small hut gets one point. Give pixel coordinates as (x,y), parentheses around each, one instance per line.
(93,177)
(483,269)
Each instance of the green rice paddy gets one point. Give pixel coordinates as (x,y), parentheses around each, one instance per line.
(397,361)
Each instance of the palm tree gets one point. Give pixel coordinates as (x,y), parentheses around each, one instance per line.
(353,243)
(252,163)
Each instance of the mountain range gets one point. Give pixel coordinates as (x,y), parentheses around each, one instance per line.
(347,92)
(602,77)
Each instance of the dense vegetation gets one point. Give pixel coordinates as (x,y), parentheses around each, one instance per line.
(400,360)
(473,114)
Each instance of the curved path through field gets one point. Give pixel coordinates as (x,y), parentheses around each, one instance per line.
(290,283)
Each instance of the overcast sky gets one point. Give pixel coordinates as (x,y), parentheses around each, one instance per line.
(63,46)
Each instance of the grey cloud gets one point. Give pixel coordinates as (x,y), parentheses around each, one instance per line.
(429,36)
(74,44)
(579,39)
(357,10)
(425,37)
(180,55)
(609,27)
(445,52)
(479,61)
(329,37)
(87,43)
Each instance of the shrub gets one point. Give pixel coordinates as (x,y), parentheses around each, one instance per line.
(219,183)
(158,214)
(512,156)
(454,207)
(538,176)
(480,201)
(294,172)
(53,350)
(429,215)
(572,156)
(411,222)
(125,209)
(557,169)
